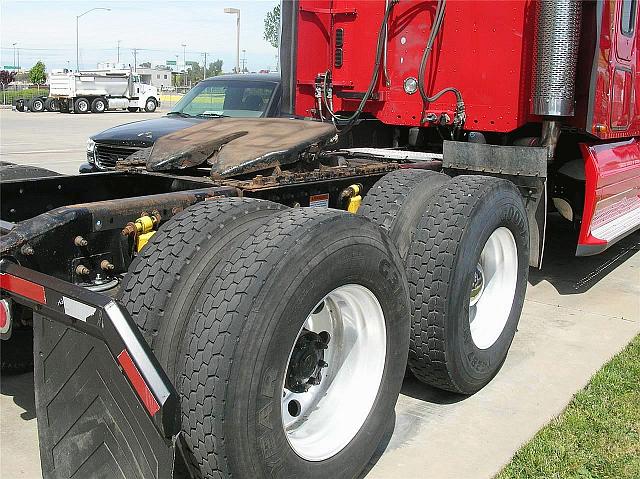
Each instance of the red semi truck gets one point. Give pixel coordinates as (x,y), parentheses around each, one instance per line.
(214,308)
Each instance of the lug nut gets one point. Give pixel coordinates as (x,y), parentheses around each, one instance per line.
(314,381)
(80,241)
(105,265)
(82,270)
(26,250)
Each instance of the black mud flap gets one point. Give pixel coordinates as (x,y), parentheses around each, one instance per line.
(105,407)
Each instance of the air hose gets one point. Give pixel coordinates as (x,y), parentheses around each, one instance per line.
(350,120)
(460,115)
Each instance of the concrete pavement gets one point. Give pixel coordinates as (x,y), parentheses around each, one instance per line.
(56,141)
(578,313)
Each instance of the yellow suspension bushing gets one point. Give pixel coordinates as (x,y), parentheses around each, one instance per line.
(354,198)
(143,239)
(144,224)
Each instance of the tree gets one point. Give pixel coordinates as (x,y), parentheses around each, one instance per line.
(38,74)
(215,68)
(145,65)
(272,26)
(6,77)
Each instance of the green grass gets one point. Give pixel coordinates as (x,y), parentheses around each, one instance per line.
(598,435)
(7,96)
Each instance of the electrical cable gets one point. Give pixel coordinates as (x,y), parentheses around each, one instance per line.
(349,121)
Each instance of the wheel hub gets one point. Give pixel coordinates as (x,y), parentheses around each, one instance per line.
(307,361)
(477,285)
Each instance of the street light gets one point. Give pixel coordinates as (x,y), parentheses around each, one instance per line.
(77,44)
(184,63)
(237,12)
(14,54)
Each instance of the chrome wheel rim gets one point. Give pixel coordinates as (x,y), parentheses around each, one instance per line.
(344,338)
(493,288)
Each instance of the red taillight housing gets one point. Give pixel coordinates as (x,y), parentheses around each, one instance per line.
(5,316)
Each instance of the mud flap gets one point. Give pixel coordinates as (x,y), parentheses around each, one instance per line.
(105,407)
(87,427)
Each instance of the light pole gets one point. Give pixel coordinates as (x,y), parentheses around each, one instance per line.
(184,64)
(77,43)
(237,12)
(118,62)
(244,61)
(14,54)
(204,73)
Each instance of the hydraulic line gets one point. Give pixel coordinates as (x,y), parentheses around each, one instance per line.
(433,34)
(350,120)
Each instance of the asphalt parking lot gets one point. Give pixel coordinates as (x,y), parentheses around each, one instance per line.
(55,140)
(578,313)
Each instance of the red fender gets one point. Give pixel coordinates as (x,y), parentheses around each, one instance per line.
(612,194)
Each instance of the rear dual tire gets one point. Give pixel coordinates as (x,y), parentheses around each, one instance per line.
(36,105)
(82,106)
(245,320)
(51,105)
(450,233)
(99,105)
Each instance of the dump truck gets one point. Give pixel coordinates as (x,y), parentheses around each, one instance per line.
(243,298)
(95,92)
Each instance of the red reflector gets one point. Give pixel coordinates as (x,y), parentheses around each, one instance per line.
(4,316)
(144,393)
(22,287)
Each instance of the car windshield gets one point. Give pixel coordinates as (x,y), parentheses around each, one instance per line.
(234,98)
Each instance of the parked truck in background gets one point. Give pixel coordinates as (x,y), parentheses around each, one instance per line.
(215,304)
(94,91)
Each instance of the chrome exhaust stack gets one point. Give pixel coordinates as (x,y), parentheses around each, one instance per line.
(557,41)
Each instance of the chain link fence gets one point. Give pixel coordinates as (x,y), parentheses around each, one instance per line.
(11,93)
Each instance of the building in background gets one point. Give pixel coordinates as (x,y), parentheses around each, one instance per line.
(159,76)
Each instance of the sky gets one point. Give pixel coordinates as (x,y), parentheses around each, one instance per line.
(46,30)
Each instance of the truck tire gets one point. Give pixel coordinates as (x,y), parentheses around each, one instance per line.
(81,105)
(467,270)
(150,106)
(162,281)
(99,105)
(51,104)
(133,109)
(292,297)
(20,104)
(397,201)
(36,105)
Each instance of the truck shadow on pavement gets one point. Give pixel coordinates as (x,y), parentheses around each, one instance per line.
(20,387)
(570,274)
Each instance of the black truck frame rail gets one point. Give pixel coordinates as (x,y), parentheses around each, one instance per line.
(104,404)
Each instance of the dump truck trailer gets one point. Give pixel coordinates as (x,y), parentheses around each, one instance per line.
(243,298)
(94,91)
